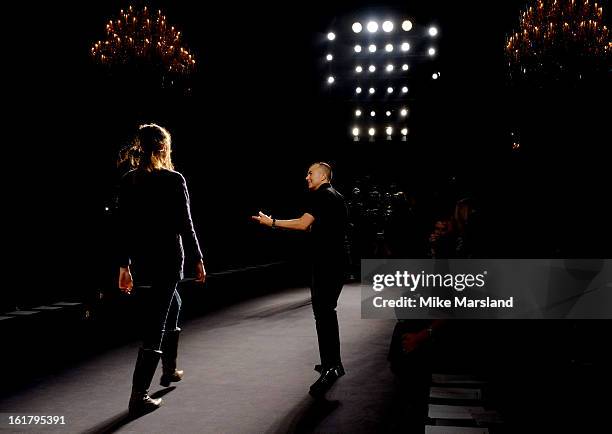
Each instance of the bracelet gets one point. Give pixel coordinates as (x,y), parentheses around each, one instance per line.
(273,223)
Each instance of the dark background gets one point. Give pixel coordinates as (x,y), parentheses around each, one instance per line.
(259,113)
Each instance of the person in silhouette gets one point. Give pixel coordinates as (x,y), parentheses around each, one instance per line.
(154,231)
(326,217)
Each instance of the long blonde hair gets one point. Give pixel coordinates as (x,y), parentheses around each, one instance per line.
(150,150)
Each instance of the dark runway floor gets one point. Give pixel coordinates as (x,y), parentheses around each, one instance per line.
(248,368)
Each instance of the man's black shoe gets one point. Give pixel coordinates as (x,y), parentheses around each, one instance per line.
(326,381)
(340,369)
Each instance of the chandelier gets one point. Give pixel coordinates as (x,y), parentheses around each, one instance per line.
(559,39)
(143,37)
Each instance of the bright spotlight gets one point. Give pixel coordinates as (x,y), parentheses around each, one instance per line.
(405,67)
(357,27)
(372,113)
(357,48)
(358,90)
(358,69)
(388,113)
(387,26)
(355,131)
(434,76)
(357,112)
(329,57)
(371,131)
(372,68)
(331,36)
(405,89)
(389,131)
(405,46)
(431,51)
(372,90)
(389,48)
(433,31)
(372,48)
(407,25)
(404,131)
(404,112)
(330,79)
(372,27)
(389,68)
(389,89)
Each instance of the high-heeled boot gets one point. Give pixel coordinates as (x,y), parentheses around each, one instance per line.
(169,354)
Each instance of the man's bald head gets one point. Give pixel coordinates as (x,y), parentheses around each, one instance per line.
(318,173)
(326,168)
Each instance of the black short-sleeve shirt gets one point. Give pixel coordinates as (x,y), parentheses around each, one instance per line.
(328,231)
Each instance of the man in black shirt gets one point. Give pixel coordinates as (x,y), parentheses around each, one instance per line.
(325,215)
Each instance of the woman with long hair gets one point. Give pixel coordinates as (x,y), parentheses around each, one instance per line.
(155,232)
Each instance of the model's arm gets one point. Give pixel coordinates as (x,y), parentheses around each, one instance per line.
(125,282)
(188,234)
(300,224)
(122,225)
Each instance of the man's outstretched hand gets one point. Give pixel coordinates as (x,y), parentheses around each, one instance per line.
(263,219)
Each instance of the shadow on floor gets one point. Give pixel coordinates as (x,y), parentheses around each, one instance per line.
(305,417)
(114,423)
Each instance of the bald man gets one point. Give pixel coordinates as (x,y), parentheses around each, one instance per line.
(326,217)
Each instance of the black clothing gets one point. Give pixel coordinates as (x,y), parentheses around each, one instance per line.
(325,290)
(155,226)
(154,233)
(328,232)
(159,309)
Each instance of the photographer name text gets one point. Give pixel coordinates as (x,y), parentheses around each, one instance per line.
(442,303)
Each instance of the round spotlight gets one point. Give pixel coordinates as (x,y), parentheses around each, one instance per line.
(330,79)
(404,131)
(357,112)
(388,113)
(358,90)
(389,68)
(372,27)
(405,67)
(387,26)
(389,89)
(372,48)
(405,89)
(389,131)
(404,112)
(407,25)
(431,51)
(389,48)
(434,76)
(372,68)
(329,57)
(372,113)
(372,90)
(371,131)
(331,36)
(358,69)
(357,48)
(405,46)
(357,27)
(433,31)
(355,131)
